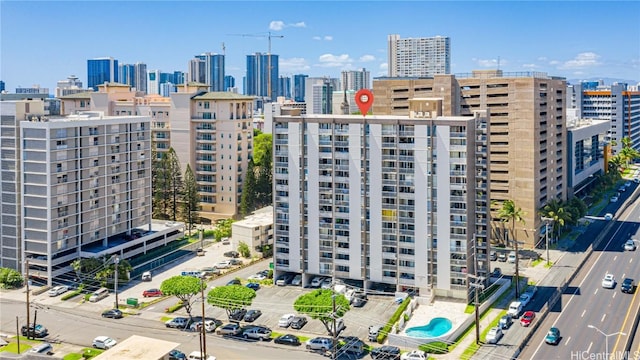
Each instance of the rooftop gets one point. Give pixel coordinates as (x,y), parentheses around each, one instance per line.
(222,95)
(138,347)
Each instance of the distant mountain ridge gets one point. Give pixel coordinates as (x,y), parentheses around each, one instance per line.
(607,81)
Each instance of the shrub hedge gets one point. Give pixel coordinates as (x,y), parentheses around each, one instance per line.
(394,318)
(436,347)
(175,307)
(70,295)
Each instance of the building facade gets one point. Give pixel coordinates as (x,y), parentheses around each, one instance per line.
(69,86)
(262,76)
(207,68)
(415,217)
(585,141)
(299,87)
(101,70)
(356,79)
(284,86)
(319,94)
(255,230)
(529,159)
(418,57)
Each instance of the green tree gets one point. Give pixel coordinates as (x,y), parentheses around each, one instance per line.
(560,214)
(318,304)
(511,213)
(108,271)
(10,278)
(244,250)
(262,148)
(161,187)
(184,288)
(222,229)
(231,297)
(248,200)
(190,199)
(175,178)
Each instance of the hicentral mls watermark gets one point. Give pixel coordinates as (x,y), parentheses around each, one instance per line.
(615,355)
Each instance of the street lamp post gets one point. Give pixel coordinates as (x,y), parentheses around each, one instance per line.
(116,261)
(546,234)
(606,338)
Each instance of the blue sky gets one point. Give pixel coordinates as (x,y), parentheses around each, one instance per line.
(43,42)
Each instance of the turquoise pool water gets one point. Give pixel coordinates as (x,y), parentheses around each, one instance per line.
(436,327)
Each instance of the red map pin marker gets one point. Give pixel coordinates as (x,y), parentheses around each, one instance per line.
(364,99)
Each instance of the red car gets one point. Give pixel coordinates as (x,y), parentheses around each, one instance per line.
(527,318)
(152,293)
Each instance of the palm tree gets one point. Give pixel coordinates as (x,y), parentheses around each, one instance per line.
(557,211)
(509,212)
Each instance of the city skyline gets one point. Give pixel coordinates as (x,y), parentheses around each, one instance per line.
(319,38)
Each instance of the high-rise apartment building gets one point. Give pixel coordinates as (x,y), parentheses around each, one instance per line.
(140,76)
(585,148)
(396,201)
(616,103)
(126,74)
(528,132)
(207,68)
(262,76)
(319,94)
(69,86)
(2,86)
(284,86)
(299,87)
(418,57)
(356,79)
(229,82)
(101,70)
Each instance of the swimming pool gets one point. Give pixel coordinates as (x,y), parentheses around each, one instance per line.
(435,328)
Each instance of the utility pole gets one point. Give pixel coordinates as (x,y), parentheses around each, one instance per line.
(546,235)
(477,286)
(116,261)
(18,332)
(203,331)
(335,336)
(28,311)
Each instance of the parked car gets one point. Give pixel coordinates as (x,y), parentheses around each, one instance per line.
(286,320)
(614,199)
(177,355)
(195,355)
(235,262)
(178,322)
(497,272)
(527,318)
(515,308)
(493,256)
(353,345)
(229,329)
(553,336)
(209,326)
(57,290)
(284,279)
(502,257)
(316,282)
(43,348)
(257,276)
(152,293)
(524,299)
(627,286)
(103,342)
(374,330)
(326,283)
(298,322)
(287,339)
(237,314)
(252,315)
(359,299)
(253,285)
(112,314)
(320,343)
(531,291)
(494,335)
(146,276)
(38,332)
(232,254)
(297,280)
(511,258)
(630,245)
(210,270)
(414,355)
(608,216)
(386,352)
(258,333)
(234,282)
(505,322)
(225,264)
(609,281)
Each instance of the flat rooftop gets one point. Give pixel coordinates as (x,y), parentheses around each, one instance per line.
(138,347)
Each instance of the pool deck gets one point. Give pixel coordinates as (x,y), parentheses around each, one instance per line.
(452,310)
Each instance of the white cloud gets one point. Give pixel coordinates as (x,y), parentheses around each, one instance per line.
(316,38)
(330,60)
(328,37)
(530,66)
(542,58)
(383,69)
(554,62)
(276,25)
(325,38)
(581,61)
(490,63)
(366,58)
(293,65)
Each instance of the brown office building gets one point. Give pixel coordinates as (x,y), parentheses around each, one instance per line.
(528,159)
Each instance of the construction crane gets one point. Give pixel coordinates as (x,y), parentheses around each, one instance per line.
(268,35)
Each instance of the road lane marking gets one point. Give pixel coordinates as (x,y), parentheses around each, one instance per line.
(595,292)
(568,339)
(603,316)
(630,260)
(615,257)
(614,295)
(583,312)
(626,317)
(589,349)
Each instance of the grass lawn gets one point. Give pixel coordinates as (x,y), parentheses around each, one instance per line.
(536,262)
(12,347)
(87,353)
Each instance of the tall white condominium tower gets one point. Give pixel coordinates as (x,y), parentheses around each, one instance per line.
(356,79)
(419,57)
(394,202)
(86,190)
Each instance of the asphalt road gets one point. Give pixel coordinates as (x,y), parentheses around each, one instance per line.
(589,316)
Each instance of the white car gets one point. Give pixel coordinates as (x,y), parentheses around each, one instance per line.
(297,280)
(326,283)
(285,320)
(524,299)
(103,342)
(223,264)
(614,199)
(195,355)
(316,281)
(257,276)
(511,258)
(414,355)
(630,245)
(55,291)
(609,282)
(494,335)
(608,216)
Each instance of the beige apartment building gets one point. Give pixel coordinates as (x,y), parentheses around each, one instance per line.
(528,156)
(210,131)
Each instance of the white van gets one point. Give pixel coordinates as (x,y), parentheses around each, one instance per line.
(146,276)
(515,309)
(99,295)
